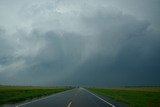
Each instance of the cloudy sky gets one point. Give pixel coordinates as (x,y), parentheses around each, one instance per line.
(80,42)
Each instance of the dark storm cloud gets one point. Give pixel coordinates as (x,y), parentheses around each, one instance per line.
(128,53)
(136,63)
(103,43)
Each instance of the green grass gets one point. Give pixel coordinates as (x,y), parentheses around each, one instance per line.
(134,97)
(13,94)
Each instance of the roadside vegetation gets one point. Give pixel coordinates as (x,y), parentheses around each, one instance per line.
(13,94)
(134,97)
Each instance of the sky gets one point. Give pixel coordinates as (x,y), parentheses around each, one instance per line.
(80,42)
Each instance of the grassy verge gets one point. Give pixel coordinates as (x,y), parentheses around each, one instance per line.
(12,94)
(134,97)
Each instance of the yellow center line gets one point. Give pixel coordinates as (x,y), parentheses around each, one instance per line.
(69,105)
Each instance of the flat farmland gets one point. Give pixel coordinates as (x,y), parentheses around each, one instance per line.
(13,94)
(134,97)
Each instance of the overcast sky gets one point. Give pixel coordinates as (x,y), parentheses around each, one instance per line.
(80,42)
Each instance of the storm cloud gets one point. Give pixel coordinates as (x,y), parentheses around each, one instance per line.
(91,43)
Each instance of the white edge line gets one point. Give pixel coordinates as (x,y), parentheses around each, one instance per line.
(99,98)
(39,99)
(69,105)
(33,101)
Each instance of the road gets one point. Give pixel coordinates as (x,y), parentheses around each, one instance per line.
(78,97)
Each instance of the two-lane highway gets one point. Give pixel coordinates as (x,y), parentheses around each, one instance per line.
(78,97)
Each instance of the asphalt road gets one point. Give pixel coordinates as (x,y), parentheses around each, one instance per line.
(78,97)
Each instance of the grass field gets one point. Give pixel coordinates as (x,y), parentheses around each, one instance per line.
(134,97)
(13,94)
